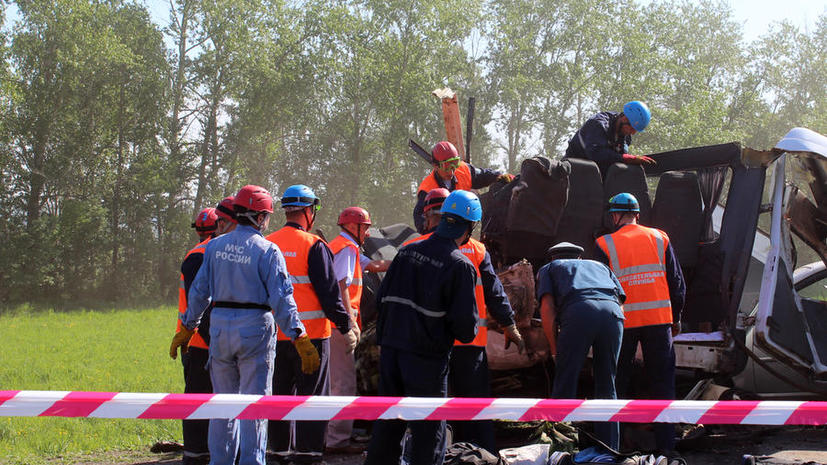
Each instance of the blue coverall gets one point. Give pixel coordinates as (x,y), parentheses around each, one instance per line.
(658,351)
(598,141)
(425,302)
(587,298)
(245,276)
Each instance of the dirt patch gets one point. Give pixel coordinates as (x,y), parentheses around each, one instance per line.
(714,445)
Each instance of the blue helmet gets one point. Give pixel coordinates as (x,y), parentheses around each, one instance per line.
(638,114)
(299,195)
(623,202)
(463,204)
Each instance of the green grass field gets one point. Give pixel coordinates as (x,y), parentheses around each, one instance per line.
(116,351)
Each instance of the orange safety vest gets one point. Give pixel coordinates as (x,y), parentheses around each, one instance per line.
(637,256)
(196,340)
(475,251)
(295,245)
(355,288)
(462,173)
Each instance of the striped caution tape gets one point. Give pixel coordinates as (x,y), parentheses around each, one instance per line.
(248,407)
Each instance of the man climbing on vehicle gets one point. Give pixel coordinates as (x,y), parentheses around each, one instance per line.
(646,266)
(244,278)
(468,375)
(425,302)
(606,136)
(451,173)
(316,290)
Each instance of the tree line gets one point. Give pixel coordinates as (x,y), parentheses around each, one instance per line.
(116,130)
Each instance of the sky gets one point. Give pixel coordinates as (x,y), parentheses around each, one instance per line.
(757,15)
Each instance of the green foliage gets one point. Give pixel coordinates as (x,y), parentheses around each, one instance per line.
(111,351)
(115,131)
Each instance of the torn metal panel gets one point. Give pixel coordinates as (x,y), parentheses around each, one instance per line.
(808,222)
(759,158)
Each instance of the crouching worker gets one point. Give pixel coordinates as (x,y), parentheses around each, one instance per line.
(245,276)
(585,296)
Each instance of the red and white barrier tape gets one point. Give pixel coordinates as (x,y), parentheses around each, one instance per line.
(197,406)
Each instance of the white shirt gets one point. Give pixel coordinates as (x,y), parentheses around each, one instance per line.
(344,262)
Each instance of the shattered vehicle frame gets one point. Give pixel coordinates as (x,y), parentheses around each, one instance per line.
(753,325)
(774,342)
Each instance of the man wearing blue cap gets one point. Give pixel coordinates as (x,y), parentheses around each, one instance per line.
(425,302)
(605,137)
(585,297)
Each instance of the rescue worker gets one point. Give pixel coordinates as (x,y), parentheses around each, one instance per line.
(451,173)
(605,137)
(243,277)
(195,355)
(348,264)
(646,266)
(226,215)
(585,297)
(425,302)
(310,266)
(205,224)
(468,375)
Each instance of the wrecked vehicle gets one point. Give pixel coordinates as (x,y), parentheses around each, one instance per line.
(752,325)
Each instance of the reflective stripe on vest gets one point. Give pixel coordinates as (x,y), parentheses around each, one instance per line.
(354,290)
(196,340)
(295,246)
(637,256)
(462,173)
(475,251)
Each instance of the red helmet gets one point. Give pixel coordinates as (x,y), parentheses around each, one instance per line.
(435,198)
(254,198)
(354,215)
(443,151)
(225,209)
(206,221)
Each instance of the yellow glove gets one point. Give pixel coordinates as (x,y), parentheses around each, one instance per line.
(180,339)
(506,178)
(307,351)
(512,334)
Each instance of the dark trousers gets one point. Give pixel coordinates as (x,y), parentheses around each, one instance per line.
(589,324)
(403,373)
(468,377)
(659,364)
(196,380)
(302,440)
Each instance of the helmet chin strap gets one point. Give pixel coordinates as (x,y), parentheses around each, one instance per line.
(356,236)
(252,217)
(311,219)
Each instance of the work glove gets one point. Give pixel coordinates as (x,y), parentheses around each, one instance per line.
(630,159)
(308,353)
(676,328)
(351,339)
(512,334)
(180,339)
(506,178)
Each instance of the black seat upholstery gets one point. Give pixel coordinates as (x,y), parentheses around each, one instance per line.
(629,178)
(583,215)
(678,211)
